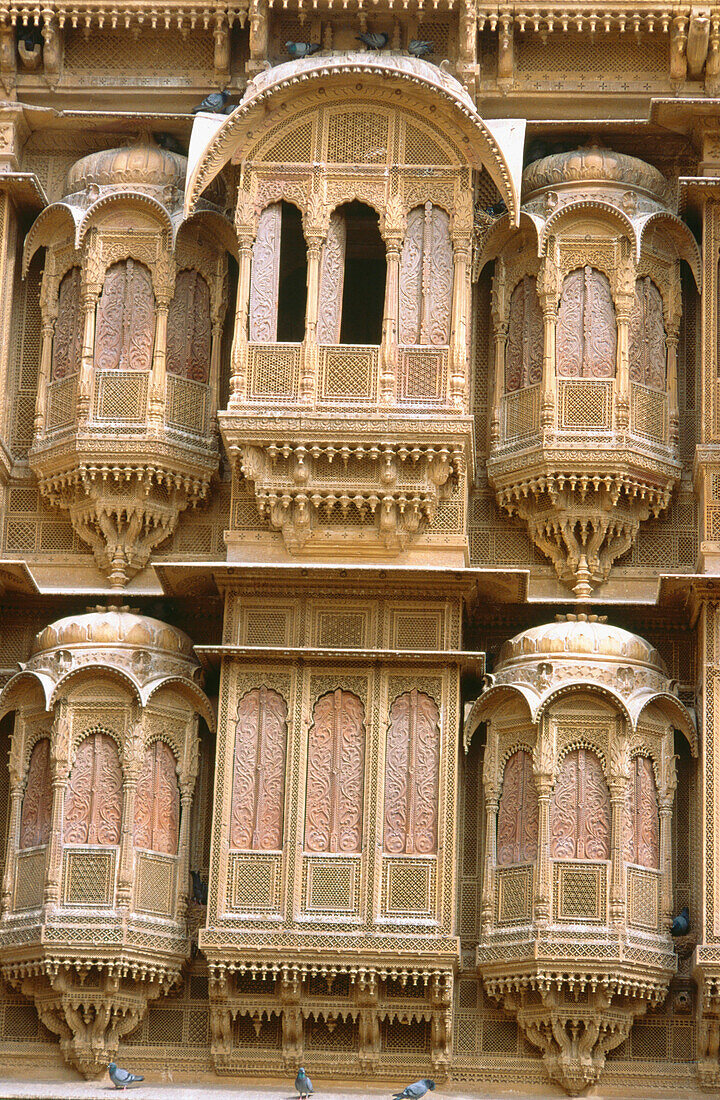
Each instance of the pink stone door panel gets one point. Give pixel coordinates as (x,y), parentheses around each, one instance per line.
(580,809)
(37,803)
(411,775)
(93,802)
(157,801)
(258,795)
(517,828)
(335,772)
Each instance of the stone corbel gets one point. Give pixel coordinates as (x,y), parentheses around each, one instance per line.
(678,43)
(52,49)
(506,50)
(8,59)
(221,35)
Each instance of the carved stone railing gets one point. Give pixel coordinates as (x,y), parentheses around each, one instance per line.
(273,373)
(187,405)
(120,396)
(61,404)
(648,414)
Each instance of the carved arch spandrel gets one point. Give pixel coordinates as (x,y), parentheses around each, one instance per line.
(125,329)
(586,326)
(642,820)
(580,809)
(412,767)
(93,802)
(67,342)
(524,357)
(335,774)
(189,328)
(517,827)
(646,336)
(157,801)
(36,814)
(258,792)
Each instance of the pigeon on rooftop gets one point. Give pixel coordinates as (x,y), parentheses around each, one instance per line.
(301,49)
(214,103)
(416,1090)
(303,1083)
(418,48)
(121,1078)
(373,41)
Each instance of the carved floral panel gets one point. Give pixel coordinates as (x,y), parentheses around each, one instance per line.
(336,760)
(258,792)
(642,821)
(426,277)
(412,775)
(37,803)
(646,337)
(67,342)
(580,809)
(586,327)
(332,277)
(265,276)
(93,800)
(125,328)
(517,827)
(524,356)
(157,801)
(189,328)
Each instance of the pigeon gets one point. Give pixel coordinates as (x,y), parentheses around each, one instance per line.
(171,143)
(418,48)
(214,103)
(121,1078)
(302,49)
(303,1083)
(374,41)
(200,888)
(416,1090)
(497,209)
(681,924)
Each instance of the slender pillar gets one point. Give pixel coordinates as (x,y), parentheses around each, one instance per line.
(492,801)
(158,377)
(391,320)
(214,375)
(458,338)
(127,853)
(623,309)
(89,296)
(239,363)
(186,797)
(17,791)
(542,887)
(48,333)
(308,380)
(672,386)
(618,794)
(501,335)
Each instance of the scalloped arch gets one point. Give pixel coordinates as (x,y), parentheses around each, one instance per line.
(677,711)
(219,226)
(123,198)
(8,700)
(47,227)
(477,711)
(687,246)
(575,687)
(196,695)
(94,669)
(603,206)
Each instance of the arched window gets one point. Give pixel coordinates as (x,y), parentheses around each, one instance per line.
(189,328)
(258,794)
(93,802)
(125,330)
(426,277)
(67,342)
(278,283)
(157,801)
(580,809)
(646,338)
(335,772)
(642,821)
(586,328)
(411,775)
(524,355)
(517,825)
(352,283)
(37,803)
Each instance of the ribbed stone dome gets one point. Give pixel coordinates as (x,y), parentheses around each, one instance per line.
(142,165)
(109,626)
(593,165)
(579,637)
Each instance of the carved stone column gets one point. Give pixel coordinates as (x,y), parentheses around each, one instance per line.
(487,910)
(618,793)
(60,766)
(16,794)
(239,360)
(89,295)
(187,788)
(391,318)
(127,854)
(672,384)
(542,891)
(315,239)
(48,332)
(623,310)
(501,335)
(548,400)
(458,328)
(156,400)
(214,377)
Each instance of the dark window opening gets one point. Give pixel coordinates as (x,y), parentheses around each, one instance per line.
(363,301)
(292,286)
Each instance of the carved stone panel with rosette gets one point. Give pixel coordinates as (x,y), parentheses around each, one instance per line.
(189,329)
(265,277)
(335,770)
(125,319)
(580,809)
(93,802)
(67,343)
(524,358)
(332,277)
(411,775)
(426,277)
(37,803)
(642,821)
(586,327)
(258,793)
(647,352)
(517,828)
(157,801)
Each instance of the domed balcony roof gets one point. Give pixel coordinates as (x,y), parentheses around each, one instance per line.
(132,167)
(594,165)
(111,626)
(579,638)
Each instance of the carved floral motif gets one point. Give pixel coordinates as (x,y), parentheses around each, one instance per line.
(125,319)
(265,279)
(411,774)
(331,281)
(189,329)
(37,803)
(336,759)
(93,802)
(258,795)
(517,828)
(524,357)
(157,801)
(646,336)
(580,809)
(67,343)
(642,822)
(586,329)
(426,277)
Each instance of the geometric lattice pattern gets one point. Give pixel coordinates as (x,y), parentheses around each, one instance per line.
(409,886)
(514,900)
(254,883)
(579,891)
(643,893)
(155,885)
(88,877)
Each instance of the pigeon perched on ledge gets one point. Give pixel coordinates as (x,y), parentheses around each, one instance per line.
(681,924)
(214,103)
(373,41)
(200,888)
(416,1090)
(303,1083)
(121,1078)
(418,48)
(301,49)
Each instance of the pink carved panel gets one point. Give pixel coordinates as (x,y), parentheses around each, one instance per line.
(37,803)
(426,277)
(157,801)
(189,330)
(67,342)
(412,775)
(642,820)
(580,809)
(93,800)
(586,327)
(517,827)
(647,351)
(336,760)
(258,794)
(524,356)
(265,276)
(125,327)
(332,277)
